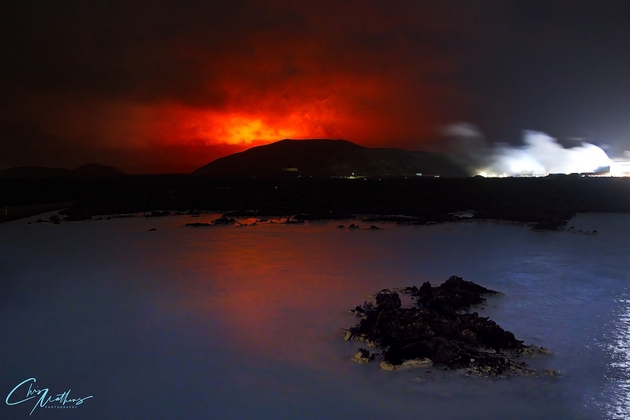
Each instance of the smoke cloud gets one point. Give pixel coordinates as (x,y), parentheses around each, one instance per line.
(169,85)
(126,83)
(540,154)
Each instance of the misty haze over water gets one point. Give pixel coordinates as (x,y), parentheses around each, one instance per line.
(245,323)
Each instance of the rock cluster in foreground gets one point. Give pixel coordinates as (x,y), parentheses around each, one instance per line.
(439,330)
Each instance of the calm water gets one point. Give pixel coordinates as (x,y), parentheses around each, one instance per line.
(245,323)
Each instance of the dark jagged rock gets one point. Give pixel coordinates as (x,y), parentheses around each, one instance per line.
(198,224)
(247,224)
(153,230)
(158,213)
(224,221)
(439,329)
(412,290)
(362,311)
(221,221)
(454,295)
(289,221)
(387,300)
(551,372)
(76,213)
(363,356)
(375,228)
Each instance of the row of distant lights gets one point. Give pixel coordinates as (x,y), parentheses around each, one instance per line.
(521,175)
(487,175)
(492,175)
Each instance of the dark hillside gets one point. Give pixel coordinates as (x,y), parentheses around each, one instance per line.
(326,158)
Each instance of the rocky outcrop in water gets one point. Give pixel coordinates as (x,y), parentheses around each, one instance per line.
(220,221)
(198,224)
(158,213)
(363,356)
(439,329)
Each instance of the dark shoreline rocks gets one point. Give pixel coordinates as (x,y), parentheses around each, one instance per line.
(549,202)
(220,221)
(439,329)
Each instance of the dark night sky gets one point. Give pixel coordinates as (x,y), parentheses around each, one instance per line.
(168,85)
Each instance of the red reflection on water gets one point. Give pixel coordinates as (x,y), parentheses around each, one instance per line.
(283,291)
(277,289)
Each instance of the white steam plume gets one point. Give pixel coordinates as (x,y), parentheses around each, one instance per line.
(542,155)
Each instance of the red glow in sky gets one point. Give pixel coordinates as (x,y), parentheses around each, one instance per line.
(169,88)
(166,86)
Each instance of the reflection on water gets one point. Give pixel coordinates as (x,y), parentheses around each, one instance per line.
(616,395)
(278,296)
(230,322)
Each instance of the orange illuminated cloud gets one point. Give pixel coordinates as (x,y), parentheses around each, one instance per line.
(367,109)
(356,74)
(241,128)
(165,87)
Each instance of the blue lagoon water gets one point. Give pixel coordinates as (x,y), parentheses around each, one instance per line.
(245,322)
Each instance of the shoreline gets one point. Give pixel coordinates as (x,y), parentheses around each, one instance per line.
(351,221)
(546,203)
(11,213)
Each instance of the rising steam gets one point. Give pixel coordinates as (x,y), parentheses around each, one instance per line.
(540,155)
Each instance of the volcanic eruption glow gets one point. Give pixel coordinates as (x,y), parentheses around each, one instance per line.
(181,125)
(239,129)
